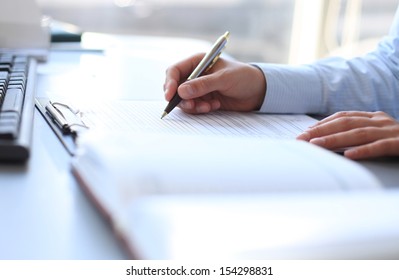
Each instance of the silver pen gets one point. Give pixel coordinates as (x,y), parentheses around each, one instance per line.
(205,64)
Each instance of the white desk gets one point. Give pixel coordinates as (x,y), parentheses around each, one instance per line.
(43,212)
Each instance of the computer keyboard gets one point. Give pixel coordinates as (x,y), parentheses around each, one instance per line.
(17,84)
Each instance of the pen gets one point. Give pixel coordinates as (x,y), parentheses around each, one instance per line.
(205,64)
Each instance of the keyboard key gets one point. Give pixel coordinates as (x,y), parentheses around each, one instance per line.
(9,116)
(8,131)
(16,104)
(19,85)
(9,125)
(3,86)
(6,59)
(3,75)
(21,59)
(5,67)
(13,100)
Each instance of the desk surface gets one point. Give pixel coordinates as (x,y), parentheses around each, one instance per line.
(43,212)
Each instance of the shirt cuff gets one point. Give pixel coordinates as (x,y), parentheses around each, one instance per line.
(291,89)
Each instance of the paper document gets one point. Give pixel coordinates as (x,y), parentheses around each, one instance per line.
(159,164)
(324,225)
(130,155)
(120,170)
(144,117)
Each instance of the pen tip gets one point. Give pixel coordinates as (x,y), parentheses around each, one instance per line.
(163,115)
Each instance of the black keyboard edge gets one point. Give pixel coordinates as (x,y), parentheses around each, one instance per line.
(19,150)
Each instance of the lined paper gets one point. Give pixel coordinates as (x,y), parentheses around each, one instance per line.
(144,117)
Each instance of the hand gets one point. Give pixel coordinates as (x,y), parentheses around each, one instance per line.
(364,134)
(229,85)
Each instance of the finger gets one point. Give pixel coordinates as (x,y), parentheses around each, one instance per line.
(171,82)
(170,89)
(215,104)
(202,86)
(182,69)
(187,106)
(343,114)
(355,137)
(200,107)
(195,106)
(337,125)
(383,147)
(178,72)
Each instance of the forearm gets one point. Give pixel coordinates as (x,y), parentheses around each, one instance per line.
(368,83)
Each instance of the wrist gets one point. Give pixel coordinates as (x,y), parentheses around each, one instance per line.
(260,87)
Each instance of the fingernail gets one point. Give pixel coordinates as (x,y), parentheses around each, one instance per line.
(183,105)
(215,105)
(304,136)
(186,105)
(202,108)
(318,141)
(166,88)
(351,153)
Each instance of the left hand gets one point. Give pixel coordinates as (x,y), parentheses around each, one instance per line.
(363,134)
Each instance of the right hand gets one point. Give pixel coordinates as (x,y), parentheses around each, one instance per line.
(228,85)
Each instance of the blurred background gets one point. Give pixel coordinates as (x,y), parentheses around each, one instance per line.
(280,31)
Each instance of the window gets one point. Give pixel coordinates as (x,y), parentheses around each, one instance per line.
(252,23)
(338,27)
(260,29)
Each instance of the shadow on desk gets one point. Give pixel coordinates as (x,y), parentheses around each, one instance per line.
(13,168)
(385,169)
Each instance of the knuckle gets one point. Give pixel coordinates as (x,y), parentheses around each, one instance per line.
(385,120)
(346,123)
(390,146)
(341,114)
(170,71)
(200,85)
(362,133)
(378,148)
(315,132)
(379,113)
(331,141)
(395,130)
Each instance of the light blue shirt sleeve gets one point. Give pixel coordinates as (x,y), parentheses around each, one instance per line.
(367,83)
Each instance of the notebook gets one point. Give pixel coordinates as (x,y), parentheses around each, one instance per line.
(126,174)
(24,41)
(291,226)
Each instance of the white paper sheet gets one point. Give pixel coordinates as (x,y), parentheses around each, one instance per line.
(144,117)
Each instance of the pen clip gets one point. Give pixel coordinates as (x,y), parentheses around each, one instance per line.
(220,46)
(213,62)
